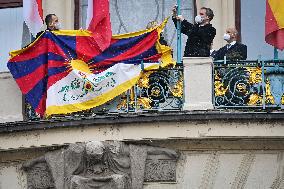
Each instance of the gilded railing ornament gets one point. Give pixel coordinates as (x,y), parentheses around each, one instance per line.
(269,99)
(155,90)
(220,90)
(143,82)
(241,84)
(254,75)
(177,90)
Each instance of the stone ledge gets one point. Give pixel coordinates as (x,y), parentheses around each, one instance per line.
(116,119)
(187,126)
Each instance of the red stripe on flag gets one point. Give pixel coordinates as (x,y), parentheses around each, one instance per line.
(154,58)
(85,48)
(41,105)
(54,78)
(43,45)
(140,47)
(28,82)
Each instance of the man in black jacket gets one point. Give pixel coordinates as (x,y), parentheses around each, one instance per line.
(233,50)
(52,24)
(200,35)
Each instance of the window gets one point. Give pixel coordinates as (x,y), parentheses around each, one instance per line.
(11,30)
(132,15)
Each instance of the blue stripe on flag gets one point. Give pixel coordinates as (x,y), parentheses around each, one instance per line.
(118,48)
(20,69)
(35,94)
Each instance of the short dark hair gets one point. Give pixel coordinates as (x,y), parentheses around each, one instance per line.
(209,12)
(48,19)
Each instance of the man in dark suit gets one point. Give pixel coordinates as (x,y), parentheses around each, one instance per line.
(233,50)
(200,35)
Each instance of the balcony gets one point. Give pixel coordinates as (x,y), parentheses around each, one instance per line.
(195,100)
(252,85)
(228,113)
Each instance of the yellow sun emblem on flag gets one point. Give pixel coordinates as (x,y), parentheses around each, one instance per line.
(80,65)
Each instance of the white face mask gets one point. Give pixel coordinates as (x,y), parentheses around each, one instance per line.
(198,19)
(226,37)
(58,26)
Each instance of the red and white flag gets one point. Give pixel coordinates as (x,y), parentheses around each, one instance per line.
(98,22)
(33,15)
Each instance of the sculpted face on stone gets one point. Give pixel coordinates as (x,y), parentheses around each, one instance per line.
(95,149)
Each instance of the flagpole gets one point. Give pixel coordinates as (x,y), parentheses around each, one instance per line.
(275,53)
(178,35)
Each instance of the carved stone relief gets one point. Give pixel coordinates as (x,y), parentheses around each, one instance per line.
(102,165)
(160,170)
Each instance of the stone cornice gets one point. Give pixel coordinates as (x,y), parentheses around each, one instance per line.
(116,119)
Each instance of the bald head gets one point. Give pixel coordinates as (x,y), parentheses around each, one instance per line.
(233,34)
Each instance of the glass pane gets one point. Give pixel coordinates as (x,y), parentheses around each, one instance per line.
(11,30)
(132,15)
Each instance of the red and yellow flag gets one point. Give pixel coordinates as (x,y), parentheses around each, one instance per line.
(274,23)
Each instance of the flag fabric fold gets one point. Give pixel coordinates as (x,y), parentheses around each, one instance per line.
(274,23)
(33,15)
(64,71)
(98,22)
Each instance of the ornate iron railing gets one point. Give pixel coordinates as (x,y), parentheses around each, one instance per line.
(249,84)
(156,90)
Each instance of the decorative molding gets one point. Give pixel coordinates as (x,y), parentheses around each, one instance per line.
(278,182)
(160,171)
(243,171)
(210,171)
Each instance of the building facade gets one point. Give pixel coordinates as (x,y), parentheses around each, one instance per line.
(225,135)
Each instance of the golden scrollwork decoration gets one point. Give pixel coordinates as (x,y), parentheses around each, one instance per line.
(143,81)
(177,90)
(220,89)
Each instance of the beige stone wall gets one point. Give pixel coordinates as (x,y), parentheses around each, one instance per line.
(64,9)
(143,131)
(11,99)
(12,176)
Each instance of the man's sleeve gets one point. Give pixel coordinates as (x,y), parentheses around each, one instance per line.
(219,55)
(186,27)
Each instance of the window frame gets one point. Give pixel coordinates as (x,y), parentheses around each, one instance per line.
(10,4)
(77,13)
(14,4)
(238,18)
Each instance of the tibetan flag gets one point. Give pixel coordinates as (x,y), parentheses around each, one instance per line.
(98,22)
(274,23)
(63,71)
(33,15)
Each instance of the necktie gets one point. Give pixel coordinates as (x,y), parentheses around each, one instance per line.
(228,46)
